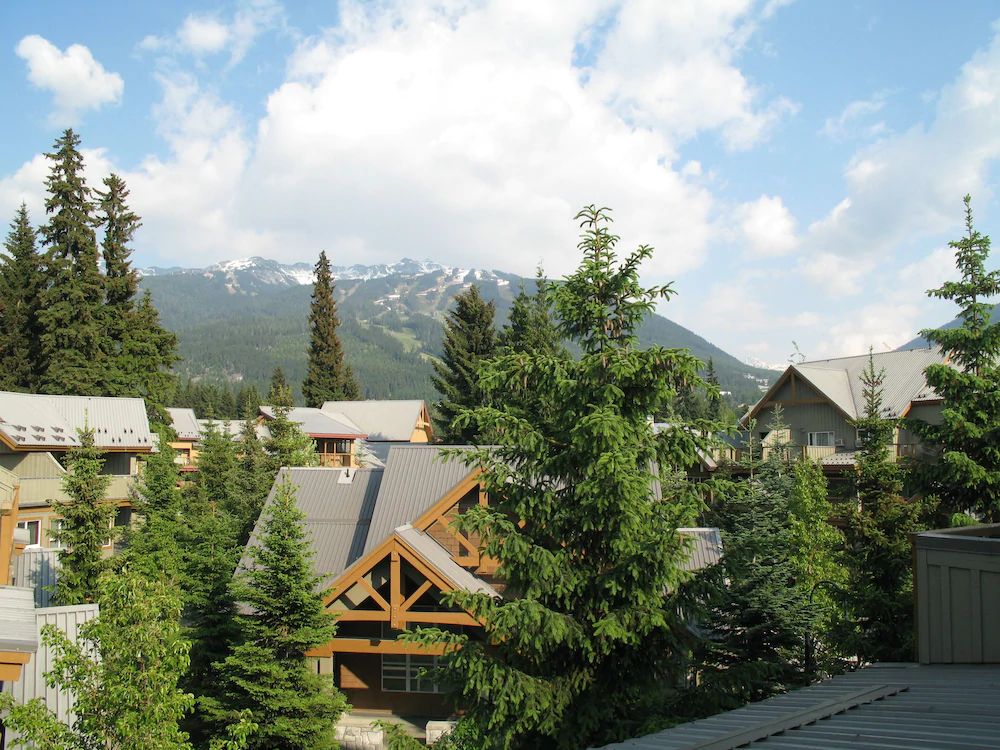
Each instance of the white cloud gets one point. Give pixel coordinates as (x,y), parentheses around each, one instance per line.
(767,226)
(76,80)
(846,124)
(202,34)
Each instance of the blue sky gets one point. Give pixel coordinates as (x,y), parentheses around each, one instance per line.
(798,166)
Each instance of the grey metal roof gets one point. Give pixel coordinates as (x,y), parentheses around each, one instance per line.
(34,420)
(706,547)
(17,619)
(338,504)
(416,477)
(840,379)
(922,707)
(317,423)
(185,423)
(440,559)
(385,420)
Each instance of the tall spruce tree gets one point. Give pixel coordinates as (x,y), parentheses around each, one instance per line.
(531,326)
(288,445)
(22,284)
(329,378)
(254,477)
(594,629)
(966,476)
(469,339)
(296,709)
(121,282)
(86,522)
(879,557)
(714,399)
(148,353)
(71,317)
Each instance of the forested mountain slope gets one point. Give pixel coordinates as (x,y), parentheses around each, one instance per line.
(240,319)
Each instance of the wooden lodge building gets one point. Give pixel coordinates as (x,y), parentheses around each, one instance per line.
(382,540)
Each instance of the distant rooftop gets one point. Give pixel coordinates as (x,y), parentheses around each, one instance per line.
(29,420)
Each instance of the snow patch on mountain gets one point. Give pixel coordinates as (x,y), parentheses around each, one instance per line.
(755,362)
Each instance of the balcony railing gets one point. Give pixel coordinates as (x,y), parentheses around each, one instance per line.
(336,460)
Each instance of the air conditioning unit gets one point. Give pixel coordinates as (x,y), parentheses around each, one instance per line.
(839,442)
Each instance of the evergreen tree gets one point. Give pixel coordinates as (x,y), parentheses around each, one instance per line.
(121,282)
(879,557)
(531,326)
(122,671)
(594,632)
(248,402)
(268,673)
(22,284)
(714,405)
(148,353)
(469,339)
(328,379)
(288,445)
(216,475)
(280,392)
(70,317)
(757,629)
(86,522)
(153,542)
(966,476)
(254,477)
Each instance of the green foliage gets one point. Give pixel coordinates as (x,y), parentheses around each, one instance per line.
(268,672)
(288,444)
(22,282)
(966,476)
(592,628)
(122,671)
(329,378)
(86,524)
(254,476)
(280,392)
(879,557)
(148,352)
(757,629)
(70,316)
(153,541)
(469,339)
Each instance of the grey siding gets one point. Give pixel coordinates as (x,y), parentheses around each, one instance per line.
(805,418)
(36,569)
(32,682)
(958,595)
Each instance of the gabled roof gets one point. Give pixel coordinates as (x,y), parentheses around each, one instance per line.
(840,380)
(185,423)
(416,477)
(318,423)
(705,548)
(338,504)
(31,420)
(385,420)
(440,559)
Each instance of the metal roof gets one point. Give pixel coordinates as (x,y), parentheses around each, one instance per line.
(37,570)
(185,423)
(392,421)
(34,420)
(416,477)
(317,423)
(338,504)
(920,707)
(840,379)
(234,427)
(17,619)
(440,559)
(705,547)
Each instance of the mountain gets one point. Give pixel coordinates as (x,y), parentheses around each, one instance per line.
(238,319)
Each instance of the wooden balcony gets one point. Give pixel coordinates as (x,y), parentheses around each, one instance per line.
(337,460)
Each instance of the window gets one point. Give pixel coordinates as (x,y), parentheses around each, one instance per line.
(821,439)
(342,446)
(400,673)
(55,525)
(34,529)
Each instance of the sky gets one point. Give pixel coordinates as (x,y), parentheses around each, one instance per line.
(798,166)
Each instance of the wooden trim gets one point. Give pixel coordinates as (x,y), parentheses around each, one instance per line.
(451,497)
(361,615)
(424,588)
(445,618)
(396,588)
(375,646)
(363,582)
